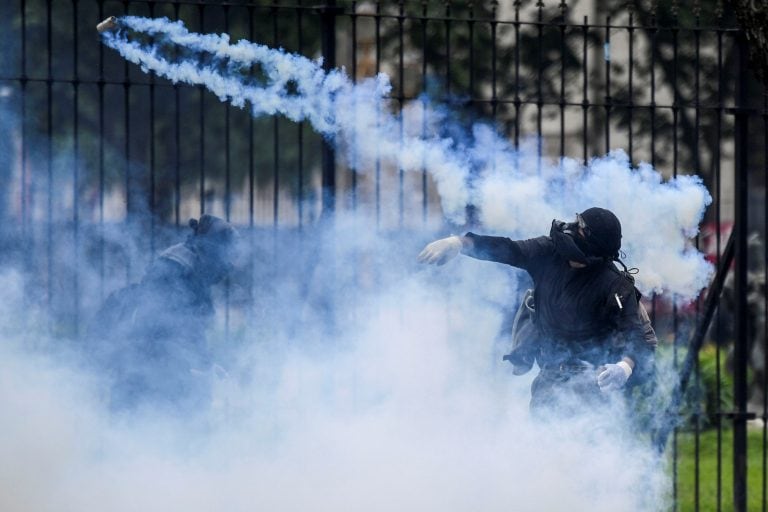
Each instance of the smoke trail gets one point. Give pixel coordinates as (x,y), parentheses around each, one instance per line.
(296,87)
(516,192)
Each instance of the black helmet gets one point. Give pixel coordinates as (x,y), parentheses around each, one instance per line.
(602,232)
(214,229)
(214,241)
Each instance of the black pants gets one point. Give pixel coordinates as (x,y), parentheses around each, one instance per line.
(566,393)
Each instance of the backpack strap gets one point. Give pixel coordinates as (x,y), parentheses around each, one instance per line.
(628,275)
(649,334)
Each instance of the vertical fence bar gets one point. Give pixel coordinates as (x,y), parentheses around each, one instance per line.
(563,10)
(471,37)
(251,149)
(49,162)
(607,100)
(764,416)
(447,47)
(654,42)
(400,104)
(494,56)
(471,209)
(227,147)
(741,347)
(585,93)
(101,163)
(494,96)
(697,87)
(377,174)
(177,144)
(227,183)
(630,89)
(152,155)
(718,244)
(127,151)
(201,121)
(424,104)
(300,127)
(539,80)
(353,143)
(251,317)
(675,103)
(517,100)
(328,45)
(276,137)
(23,82)
(654,36)
(675,317)
(697,168)
(76,175)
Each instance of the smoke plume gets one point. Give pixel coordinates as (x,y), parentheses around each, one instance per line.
(380,389)
(516,191)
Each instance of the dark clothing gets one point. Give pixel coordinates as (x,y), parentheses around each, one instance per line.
(556,390)
(149,337)
(583,315)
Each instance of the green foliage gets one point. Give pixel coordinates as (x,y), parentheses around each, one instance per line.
(710,390)
(715,383)
(704,463)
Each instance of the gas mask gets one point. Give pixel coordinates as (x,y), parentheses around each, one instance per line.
(565,236)
(584,243)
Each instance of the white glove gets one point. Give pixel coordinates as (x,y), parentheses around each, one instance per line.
(614,376)
(441,251)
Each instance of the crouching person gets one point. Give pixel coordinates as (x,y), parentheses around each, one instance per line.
(148,339)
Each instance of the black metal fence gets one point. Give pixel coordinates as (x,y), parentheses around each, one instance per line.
(101,164)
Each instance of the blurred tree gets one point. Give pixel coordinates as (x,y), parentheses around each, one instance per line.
(501,68)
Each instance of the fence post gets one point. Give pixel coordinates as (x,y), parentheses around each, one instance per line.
(328,13)
(741,343)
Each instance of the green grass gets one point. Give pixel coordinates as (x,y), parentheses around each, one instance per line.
(707,471)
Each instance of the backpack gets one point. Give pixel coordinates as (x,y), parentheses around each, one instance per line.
(525,343)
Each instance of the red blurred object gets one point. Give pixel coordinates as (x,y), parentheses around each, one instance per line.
(708,239)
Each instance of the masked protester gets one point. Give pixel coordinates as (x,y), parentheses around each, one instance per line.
(149,337)
(592,341)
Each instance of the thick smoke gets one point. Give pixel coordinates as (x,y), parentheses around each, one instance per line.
(516,192)
(405,406)
(373,387)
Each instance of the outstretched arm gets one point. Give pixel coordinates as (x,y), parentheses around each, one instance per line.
(518,253)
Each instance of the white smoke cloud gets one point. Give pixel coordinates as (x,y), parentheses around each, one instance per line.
(407,407)
(658,217)
(403,405)
(517,192)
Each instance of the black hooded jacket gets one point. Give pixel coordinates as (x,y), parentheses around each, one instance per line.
(588,313)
